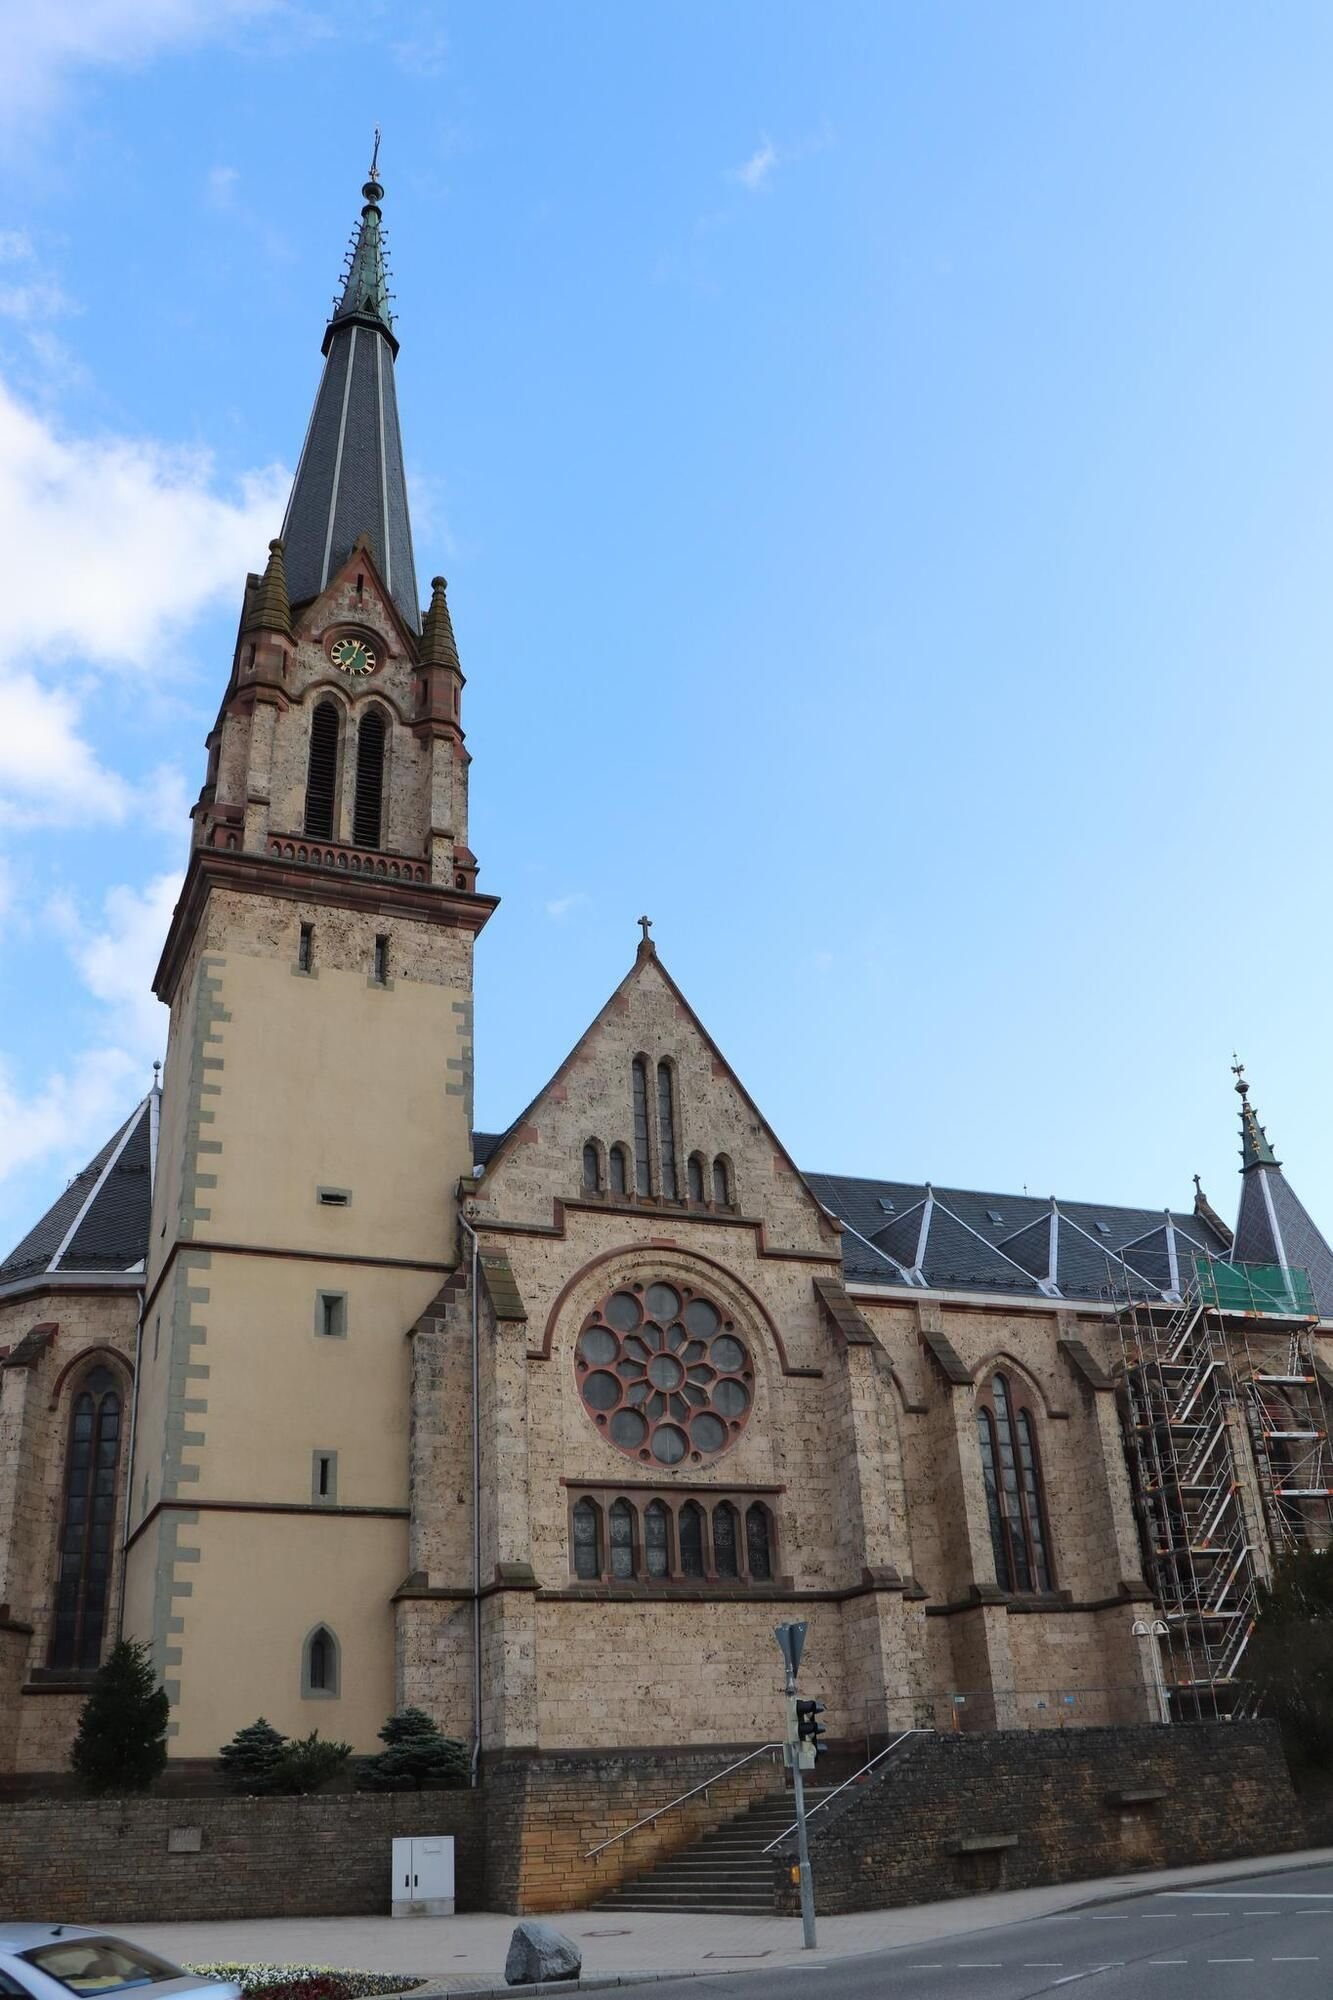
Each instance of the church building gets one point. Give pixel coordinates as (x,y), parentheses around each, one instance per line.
(340,1404)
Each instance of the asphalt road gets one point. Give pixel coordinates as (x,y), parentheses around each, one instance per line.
(1268,1937)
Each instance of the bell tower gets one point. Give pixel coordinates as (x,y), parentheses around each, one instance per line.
(317,1100)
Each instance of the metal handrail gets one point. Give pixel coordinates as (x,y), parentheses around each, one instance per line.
(650,1819)
(876,1759)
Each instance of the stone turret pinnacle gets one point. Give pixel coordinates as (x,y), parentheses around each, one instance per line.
(438,645)
(351,479)
(270,607)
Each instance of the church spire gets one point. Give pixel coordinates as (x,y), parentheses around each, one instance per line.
(1255,1150)
(1273,1225)
(351,479)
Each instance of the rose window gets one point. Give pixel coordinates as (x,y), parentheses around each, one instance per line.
(663,1373)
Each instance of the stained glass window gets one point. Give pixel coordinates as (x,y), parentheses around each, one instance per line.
(1015,1506)
(87,1530)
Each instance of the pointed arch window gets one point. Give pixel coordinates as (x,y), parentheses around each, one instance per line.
(643,1169)
(321,784)
(691,1539)
(621,1523)
(588,1541)
(666,1131)
(657,1538)
(368,810)
(694,1177)
(758,1551)
(592,1168)
(1015,1496)
(619,1170)
(726,1555)
(87,1525)
(321,1672)
(721,1181)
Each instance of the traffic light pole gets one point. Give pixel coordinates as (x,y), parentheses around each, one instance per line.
(802,1839)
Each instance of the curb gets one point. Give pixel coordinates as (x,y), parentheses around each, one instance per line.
(596,1982)
(1263,1864)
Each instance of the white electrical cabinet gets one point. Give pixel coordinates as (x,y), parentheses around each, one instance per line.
(423,1876)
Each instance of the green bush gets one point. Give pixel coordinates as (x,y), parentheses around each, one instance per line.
(253,1756)
(418,1756)
(306,1764)
(121,1744)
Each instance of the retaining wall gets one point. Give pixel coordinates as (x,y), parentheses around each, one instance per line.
(960,1815)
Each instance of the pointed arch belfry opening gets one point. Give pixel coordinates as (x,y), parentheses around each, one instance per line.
(321,785)
(368,806)
(87,1521)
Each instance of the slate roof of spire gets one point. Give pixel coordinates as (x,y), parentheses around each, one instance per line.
(350,480)
(100,1222)
(1274,1226)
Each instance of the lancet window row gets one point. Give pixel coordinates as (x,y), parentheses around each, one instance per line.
(665,1538)
(659,1170)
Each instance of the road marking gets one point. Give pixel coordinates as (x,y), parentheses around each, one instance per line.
(1230,1961)
(1110,1920)
(1092,1970)
(980,1965)
(1168,1961)
(1295,1961)
(1042,1964)
(1273,1895)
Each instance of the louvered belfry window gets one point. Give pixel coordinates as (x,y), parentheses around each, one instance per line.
(643,1182)
(321,785)
(87,1528)
(368,812)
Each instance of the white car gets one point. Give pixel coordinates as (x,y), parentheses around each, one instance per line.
(51,1961)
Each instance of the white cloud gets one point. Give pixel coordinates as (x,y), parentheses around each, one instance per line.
(46,44)
(220,187)
(124,539)
(560,906)
(72,1114)
(756,170)
(49,775)
(117,956)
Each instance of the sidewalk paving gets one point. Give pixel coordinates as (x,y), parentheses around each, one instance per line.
(466,1954)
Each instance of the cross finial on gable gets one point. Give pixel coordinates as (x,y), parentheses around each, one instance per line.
(646,948)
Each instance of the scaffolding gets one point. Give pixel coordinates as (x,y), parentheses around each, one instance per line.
(1226,1414)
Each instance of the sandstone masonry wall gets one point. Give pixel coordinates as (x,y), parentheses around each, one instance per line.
(1074,1803)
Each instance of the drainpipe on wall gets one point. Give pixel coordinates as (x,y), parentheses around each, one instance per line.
(476,1502)
(129,1457)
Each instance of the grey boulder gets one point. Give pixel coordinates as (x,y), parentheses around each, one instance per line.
(539,1951)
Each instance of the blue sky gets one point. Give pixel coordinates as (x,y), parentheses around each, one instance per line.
(883,460)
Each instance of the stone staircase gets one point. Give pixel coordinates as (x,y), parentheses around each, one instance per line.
(725,1871)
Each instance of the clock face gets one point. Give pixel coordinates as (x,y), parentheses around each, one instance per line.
(353,656)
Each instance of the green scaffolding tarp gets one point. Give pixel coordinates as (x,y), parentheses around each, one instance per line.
(1262,1288)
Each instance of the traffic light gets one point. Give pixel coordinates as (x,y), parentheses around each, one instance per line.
(808,1732)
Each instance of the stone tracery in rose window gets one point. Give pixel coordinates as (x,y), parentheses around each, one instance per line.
(663,1373)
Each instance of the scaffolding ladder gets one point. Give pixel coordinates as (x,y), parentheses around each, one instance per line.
(1226,1410)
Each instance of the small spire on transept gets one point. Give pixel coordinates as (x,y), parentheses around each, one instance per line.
(1255,1150)
(438,645)
(270,609)
(647,949)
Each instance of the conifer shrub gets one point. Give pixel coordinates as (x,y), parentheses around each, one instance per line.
(252,1757)
(1290,1659)
(121,1743)
(307,1763)
(418,1756)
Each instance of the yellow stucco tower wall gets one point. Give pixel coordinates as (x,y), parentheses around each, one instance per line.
(316,1121)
